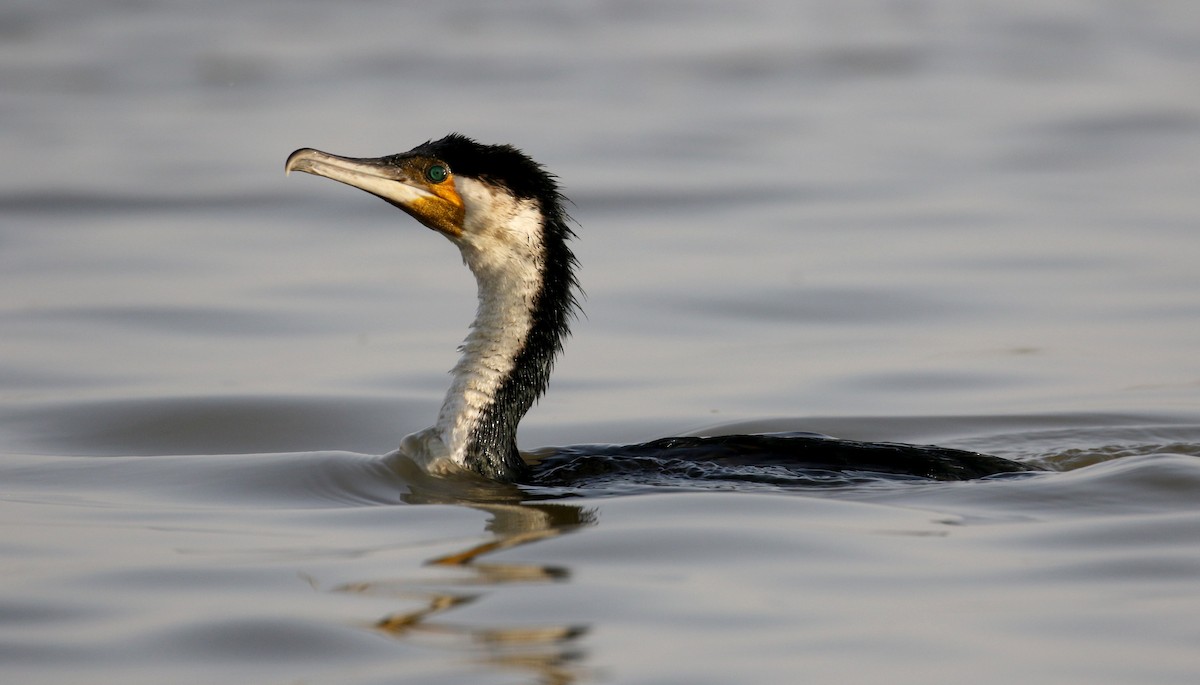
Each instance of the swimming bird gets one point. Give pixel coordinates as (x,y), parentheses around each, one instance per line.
(505,213)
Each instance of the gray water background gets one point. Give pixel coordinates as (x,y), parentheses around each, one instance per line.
(966,223)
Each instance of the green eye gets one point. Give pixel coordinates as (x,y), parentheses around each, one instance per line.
(437,173)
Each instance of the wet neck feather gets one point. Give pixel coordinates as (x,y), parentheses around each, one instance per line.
(493,384)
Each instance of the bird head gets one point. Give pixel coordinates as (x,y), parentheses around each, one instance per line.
(454,186)
(420,183)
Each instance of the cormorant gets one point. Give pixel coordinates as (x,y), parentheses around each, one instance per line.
(504,212)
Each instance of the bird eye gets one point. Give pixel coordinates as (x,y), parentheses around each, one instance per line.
(437,173)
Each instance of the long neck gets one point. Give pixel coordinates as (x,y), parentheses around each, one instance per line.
(526,299)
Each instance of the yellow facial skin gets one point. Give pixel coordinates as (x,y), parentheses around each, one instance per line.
(413,184)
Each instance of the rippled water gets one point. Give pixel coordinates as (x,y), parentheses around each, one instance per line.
(966,224)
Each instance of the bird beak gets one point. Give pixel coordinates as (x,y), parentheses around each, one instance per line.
(397,180)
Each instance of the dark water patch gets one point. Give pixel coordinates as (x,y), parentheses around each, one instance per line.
(926,381)
(356,291)
(1107,125)
(641,200)
(211,425)
(177,320)
(726,196)
(178,580)
(755,67)
(16,380)
(827,305)
(180,486)
(1093,140)
(42,611)
(90,203)
(1019,260)
(251,640)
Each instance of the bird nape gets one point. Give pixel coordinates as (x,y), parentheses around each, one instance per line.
(504,212)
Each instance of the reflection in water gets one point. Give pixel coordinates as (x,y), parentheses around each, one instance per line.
(547,652)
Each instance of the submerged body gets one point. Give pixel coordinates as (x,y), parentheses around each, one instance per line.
(504,212)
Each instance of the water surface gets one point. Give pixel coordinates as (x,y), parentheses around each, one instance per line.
(966,225)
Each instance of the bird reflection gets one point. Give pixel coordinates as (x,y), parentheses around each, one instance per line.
(547,652)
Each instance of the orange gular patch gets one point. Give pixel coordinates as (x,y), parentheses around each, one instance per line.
(444,212)
(443,209)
